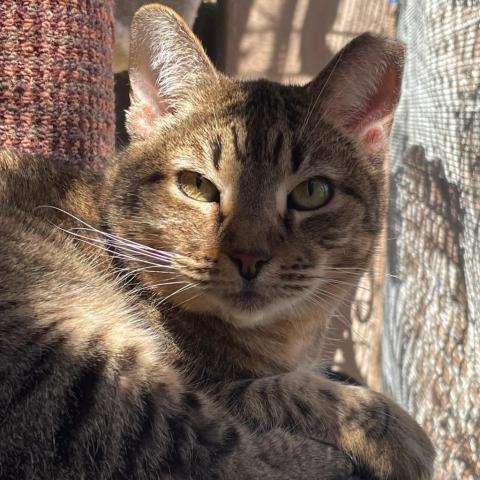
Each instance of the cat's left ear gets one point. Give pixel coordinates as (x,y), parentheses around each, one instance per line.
(359,89)
(168,67)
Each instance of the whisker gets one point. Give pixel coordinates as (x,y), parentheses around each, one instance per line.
(130,243)
(99,244)
(317,98)
(186,287)
(340,282)
(162,284)
(342,300)
(120,241)
(149,269)
(188,299)
(317,300)
(356,271)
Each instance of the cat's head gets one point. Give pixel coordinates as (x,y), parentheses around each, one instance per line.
(256,201)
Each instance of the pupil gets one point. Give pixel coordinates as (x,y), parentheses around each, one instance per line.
(310,187)
(198,181)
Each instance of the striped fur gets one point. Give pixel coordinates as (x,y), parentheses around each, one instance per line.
(130,346)
(89,386)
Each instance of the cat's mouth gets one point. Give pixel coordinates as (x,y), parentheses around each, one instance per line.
(249,307)
(248,298)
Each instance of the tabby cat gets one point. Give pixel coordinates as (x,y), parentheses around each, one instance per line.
(160,320)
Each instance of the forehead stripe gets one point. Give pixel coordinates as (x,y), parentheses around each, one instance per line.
(297,156)
(217,152)
(238,152)
(277,148)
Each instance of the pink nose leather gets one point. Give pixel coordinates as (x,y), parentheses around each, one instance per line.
(249,264)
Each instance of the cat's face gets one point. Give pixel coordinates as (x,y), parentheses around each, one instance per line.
(261,207)
(257,211)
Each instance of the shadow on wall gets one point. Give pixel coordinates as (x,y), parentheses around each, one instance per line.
(292,40)
(279,40)
(314,51)
(428,329)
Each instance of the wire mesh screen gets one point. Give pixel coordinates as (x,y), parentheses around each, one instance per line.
(431,341)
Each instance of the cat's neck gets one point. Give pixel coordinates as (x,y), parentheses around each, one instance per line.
(210,349)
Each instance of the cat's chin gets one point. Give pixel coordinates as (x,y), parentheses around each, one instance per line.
(247,318)
(245,309)
(249,313)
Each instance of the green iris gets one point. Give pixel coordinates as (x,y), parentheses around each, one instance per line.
(314,193)
(196,186)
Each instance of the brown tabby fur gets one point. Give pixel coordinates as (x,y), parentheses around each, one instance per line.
(104,378)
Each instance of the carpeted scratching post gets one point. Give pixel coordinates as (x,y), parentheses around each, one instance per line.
(56,82)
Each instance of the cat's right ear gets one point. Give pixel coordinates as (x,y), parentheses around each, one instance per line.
(168,66)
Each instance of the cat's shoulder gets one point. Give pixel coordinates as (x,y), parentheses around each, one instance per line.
(35,185)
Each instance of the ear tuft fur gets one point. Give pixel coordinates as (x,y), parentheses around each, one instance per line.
(168,67)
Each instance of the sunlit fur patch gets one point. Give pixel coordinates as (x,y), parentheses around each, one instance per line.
(246,140)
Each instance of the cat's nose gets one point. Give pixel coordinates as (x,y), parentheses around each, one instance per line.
(249,264)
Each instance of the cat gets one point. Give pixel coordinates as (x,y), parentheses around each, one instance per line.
(160,320)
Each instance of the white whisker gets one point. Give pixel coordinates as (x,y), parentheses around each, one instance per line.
(317,98)
(188,299)
(319,301)
(118,241)
(186,287)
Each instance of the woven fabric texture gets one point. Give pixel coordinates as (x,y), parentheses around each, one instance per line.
(431,341)
(56,82)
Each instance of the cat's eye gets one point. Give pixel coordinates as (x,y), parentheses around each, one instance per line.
(314,193)
(196,186)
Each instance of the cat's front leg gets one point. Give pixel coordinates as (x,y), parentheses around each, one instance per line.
(384,441)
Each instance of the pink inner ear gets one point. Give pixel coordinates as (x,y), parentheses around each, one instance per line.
(164,107)
(371,126)
(152,100)
(147,106)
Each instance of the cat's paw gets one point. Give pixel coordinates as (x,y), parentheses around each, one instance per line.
(384,440)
